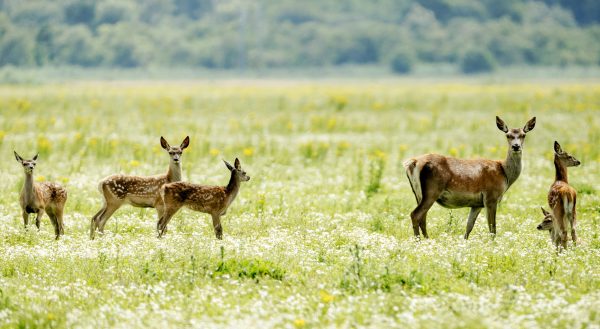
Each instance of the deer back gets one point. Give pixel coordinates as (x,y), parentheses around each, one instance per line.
(207,199)
(137,190)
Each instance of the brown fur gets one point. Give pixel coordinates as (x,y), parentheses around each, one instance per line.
(458,183)
(39,198)
(138,191)
(562,199)
(213,200)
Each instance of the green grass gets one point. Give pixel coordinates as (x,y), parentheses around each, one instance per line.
(320,236)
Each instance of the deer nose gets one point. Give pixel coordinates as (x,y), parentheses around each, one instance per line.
(516,147)
(539,227)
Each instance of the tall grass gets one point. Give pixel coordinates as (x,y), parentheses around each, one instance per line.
(320,236)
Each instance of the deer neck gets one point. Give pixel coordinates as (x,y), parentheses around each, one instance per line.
(174,173)
(512,166)
(561,171)
(233,186)
(28,187)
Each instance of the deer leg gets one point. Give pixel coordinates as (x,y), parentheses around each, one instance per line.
(110,209)
(471,220)
(25,218)
(419,215)
(559,216)
(160,211)
(94,221)
(573,220)
(38,217)
(216,219)
(490,209)
(59,221)
(164,220)
(54,222)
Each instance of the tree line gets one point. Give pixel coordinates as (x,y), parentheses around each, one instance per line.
(252,34)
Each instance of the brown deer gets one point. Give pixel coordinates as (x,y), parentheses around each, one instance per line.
(562,199)
(37,198)
(213,200)
(137,191)
(458,183)
(548,225)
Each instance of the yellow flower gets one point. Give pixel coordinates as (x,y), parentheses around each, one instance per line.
(299,323)
(43,144)
(379,154)
(134,163)
(40,178)
(331,123)
(326,297)
(453,151)
(248,151)
(214,152)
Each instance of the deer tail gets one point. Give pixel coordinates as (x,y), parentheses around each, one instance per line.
(413,173)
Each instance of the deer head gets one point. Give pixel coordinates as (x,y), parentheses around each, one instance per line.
(175,151)
(565,158)
(546,224)
(515,136)
(237,171)
(28,165)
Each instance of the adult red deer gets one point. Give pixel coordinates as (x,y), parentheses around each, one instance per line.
(459,183)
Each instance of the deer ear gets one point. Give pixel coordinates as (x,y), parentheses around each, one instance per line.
(185,143)
(544,211)
(237,164)
(501,125)
(557,148)
(35,157)
(18,157)
(229,166)
(529,125)
(164,144)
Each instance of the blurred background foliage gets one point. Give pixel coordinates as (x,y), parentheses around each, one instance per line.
(472,35)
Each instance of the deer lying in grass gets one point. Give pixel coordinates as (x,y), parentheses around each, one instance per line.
(137,191)
(37,198)
(562,199)
(213,200)
(458,183)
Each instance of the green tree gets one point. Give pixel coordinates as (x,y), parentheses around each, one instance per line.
(477,61)
(17,48)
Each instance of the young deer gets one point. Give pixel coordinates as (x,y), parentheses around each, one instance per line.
(562,199)
(213,200)
(37,198)
(136,190)
(458,183)
(548,225)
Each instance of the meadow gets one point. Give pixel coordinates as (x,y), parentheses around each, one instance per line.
(321,234)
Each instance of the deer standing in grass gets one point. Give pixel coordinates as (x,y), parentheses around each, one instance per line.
(213,200)
(137,191)
(37,198)
(562,199)
(458,183)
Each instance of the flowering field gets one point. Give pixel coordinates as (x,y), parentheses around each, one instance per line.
(321,235)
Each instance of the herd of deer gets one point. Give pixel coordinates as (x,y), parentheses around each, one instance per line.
(451,182)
